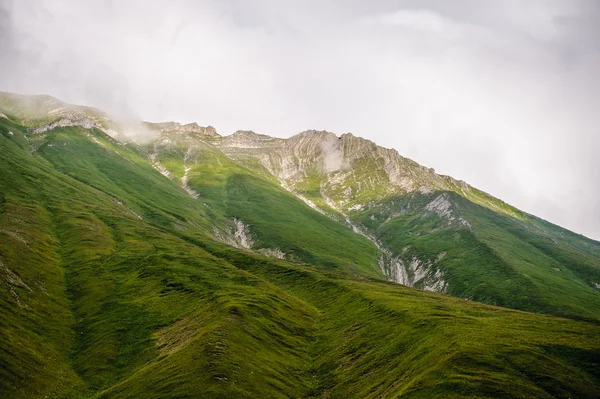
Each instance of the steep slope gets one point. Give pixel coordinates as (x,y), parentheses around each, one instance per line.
(83,270)
(113,286)
(373,212)
(254,212)
(434,232)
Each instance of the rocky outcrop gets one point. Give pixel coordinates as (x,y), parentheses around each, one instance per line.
(345,168)
(174,127)
(418,273)
(442,206)
(350,174)
(321,152)
(76,120)
(43,113)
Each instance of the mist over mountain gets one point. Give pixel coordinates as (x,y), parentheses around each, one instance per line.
(299,199)
(503,96)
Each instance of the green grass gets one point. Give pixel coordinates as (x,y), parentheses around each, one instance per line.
(98,303)
(499,260)
(381,339)
(277,219)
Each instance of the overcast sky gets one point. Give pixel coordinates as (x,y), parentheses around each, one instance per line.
(502,94)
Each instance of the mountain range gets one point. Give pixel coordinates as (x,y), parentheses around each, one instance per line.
(162,260)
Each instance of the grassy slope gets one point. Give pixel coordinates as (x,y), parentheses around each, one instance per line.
(508,258)
(121,173)
(99,303)
(501,260)
(93,275)
(378,340)
(276,218)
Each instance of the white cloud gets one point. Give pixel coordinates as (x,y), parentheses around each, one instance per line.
(503,95)
(420,20)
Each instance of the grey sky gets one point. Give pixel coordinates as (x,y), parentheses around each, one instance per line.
(502,94)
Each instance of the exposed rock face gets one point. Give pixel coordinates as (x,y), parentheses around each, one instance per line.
(184,180)
(351,174)
(76,120)
(158,166)
(442,206)
(242,234)
(188,128)
(334,157)
(414,272)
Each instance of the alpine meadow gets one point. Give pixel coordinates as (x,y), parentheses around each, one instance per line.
(179,263)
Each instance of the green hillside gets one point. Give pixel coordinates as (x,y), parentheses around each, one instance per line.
(496,259)
(275,218)
(115,282)
(435,232)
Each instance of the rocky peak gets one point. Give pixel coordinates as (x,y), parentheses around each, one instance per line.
(246,133)
(175,127)
(194,128)
(315,133)
(248,140)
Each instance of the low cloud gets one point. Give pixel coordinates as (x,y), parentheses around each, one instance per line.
(332,154)
(503,95)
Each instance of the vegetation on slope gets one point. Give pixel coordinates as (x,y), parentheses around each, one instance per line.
(276,219)
(111,288)
(496,259)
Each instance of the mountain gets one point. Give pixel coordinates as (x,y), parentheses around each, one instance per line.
(433,232)
(163,260)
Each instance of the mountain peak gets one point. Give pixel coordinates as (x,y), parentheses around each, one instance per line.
(249,133)
(176,127)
